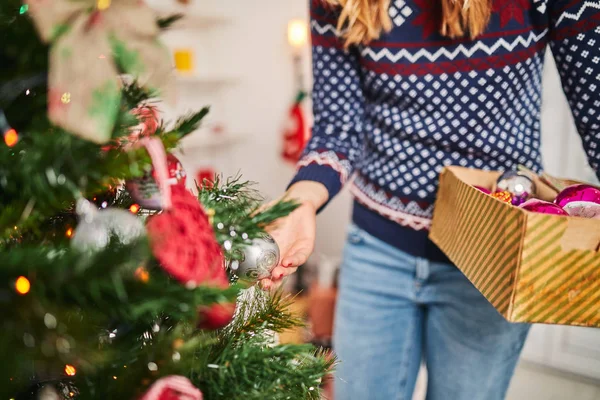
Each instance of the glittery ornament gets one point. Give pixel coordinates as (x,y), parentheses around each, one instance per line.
(503,196)
(145,191)
(578,193)
(184,242)
(518,184)
(542,207)
(258,260)
(216,316)
(96,227)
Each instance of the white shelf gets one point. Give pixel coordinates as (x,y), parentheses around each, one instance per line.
(208,140)
(205,79)
(191,18)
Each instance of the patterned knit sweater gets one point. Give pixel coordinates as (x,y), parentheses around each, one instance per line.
(392,114)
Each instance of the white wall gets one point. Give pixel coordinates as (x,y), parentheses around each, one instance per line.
(253,48)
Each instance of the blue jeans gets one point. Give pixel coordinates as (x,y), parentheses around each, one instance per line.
(395,311)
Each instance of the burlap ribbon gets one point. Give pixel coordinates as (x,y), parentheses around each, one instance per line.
(92,42)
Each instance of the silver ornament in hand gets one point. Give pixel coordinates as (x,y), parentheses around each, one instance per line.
(258,259)
(97,227)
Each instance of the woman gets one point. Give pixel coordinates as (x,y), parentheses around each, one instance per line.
(406,89)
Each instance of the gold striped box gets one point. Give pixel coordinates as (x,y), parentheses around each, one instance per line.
(535,268)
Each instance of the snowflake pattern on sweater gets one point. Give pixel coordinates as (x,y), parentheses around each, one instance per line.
(395,112)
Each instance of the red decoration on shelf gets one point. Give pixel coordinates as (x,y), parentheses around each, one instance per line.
(297,132)
(173,388)
(183,241)
(216,316)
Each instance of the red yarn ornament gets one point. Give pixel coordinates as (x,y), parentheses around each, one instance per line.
(184,243)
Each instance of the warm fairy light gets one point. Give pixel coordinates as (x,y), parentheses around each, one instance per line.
(114,377)
(297,33)
(142,274)
(71,394)
(22,285)
(11,137)
(69,232)
(103,4)
(70,370)
(66,98)
(134,208)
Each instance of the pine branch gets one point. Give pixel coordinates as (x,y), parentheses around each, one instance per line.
(188,124)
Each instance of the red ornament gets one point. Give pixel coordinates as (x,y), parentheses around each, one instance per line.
(205,177)
(577,193)
(216,316)
(146,192)
(172,388)
(503,196)
(184,243)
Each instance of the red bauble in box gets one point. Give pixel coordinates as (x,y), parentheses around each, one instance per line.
(145,191)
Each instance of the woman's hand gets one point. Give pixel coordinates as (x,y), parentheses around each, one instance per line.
(295,234)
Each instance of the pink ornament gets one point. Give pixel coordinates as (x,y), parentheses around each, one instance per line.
(484,190)
(542,207)
(578,193)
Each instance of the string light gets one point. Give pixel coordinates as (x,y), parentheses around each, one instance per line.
(134,208)
(66,98)
(24,8)
(22,285)
(69,232)
(70,370)
(142,274)
(11,137)
(115,378)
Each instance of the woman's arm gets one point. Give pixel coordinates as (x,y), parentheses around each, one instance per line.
(575,44)
(338,105)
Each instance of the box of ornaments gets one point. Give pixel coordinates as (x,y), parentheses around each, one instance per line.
(528,243)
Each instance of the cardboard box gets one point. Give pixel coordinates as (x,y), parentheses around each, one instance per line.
(532,267)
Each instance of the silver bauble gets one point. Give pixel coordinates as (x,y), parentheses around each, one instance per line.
(97,227)
(258,259)
(517,183)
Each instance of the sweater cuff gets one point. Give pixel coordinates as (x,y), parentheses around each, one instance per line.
(323,174)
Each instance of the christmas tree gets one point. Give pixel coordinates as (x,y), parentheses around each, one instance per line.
(124,291)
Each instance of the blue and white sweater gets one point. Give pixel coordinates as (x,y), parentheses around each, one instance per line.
(392,114)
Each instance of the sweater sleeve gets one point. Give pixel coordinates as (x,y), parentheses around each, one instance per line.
(338,106)
(575,44)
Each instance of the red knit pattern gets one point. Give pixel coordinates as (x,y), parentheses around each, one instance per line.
(184,242)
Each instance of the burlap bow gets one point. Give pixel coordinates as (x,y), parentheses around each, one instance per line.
(92,42)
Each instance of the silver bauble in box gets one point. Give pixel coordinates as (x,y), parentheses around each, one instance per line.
(258,259)
(518,184)
(97,227)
